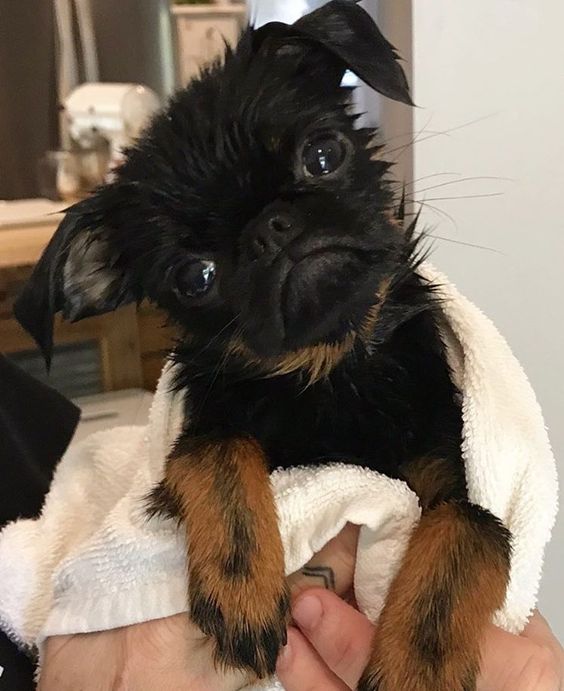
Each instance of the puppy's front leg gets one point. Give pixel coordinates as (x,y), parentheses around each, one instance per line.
(220,489)
(453,578)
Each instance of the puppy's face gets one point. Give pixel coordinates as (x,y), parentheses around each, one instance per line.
(259,207)
(252,210)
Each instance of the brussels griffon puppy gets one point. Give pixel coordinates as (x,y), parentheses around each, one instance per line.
(255,213)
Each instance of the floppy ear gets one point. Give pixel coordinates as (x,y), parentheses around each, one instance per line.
(348,32)
(80,274)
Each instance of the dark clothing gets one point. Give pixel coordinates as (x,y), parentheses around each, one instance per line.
(36,426)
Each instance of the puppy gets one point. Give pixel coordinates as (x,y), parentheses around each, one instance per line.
(256,214)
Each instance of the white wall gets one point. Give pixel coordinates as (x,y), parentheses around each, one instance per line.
(500,63)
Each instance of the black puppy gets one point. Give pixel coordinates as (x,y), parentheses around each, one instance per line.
(261,220)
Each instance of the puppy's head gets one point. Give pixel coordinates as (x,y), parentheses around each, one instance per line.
(252,210)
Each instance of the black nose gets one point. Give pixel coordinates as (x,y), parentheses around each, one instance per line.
(270,232)
(281,223)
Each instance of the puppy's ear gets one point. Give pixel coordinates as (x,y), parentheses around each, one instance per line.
(80,274)
(347,32)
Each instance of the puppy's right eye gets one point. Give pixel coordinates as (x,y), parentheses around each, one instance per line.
(324,154)
(194,278)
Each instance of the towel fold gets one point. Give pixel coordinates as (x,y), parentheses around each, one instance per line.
(94,561)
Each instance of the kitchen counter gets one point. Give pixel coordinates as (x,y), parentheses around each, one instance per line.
(23,245)
(26,226)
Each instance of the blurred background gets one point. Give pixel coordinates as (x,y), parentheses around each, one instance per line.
(482,154)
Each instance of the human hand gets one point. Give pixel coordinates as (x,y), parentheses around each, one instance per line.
(172,654)
(166,654)
(533,661)
(331,647)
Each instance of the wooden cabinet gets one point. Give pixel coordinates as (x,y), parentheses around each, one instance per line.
(131,344)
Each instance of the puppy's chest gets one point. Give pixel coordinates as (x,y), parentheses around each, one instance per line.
(348,425)
(377,415)
(313,426)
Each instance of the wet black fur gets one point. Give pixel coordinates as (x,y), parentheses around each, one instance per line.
(211,165)
(207,175)
(377,409)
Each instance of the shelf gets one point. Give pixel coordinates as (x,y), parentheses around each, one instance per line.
(209,10)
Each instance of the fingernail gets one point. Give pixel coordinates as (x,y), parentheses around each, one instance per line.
(285,657)
(307,611)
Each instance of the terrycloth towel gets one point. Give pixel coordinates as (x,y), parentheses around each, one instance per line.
(93,561)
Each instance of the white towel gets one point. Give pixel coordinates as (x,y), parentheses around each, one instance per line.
(93,561)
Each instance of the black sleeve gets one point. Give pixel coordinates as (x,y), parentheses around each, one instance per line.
(36,426)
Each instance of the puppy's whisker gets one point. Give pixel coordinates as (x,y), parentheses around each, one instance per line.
(409,134)
(467,196)
(217,371)
(416,180)
(218,334)
(413,140)
(451,240)
(465,244)
(460,181)
(436,210)
(441,133)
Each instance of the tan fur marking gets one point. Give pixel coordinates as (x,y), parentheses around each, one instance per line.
(444,544)
(434,479)
(215,487)
(320,360)
(369,323)
(206,521)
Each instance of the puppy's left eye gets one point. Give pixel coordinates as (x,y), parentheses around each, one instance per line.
(194,279)
(324,154)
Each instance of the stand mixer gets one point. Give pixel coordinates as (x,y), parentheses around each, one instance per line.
(115,113)
(101,120)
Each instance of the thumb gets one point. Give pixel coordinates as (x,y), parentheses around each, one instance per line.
(340,635)
(331,568)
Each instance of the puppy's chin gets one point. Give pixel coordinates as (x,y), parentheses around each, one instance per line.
(318,300)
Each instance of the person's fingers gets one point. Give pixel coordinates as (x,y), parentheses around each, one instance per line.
(173,653)
(165,654)
(538,630)
(498,651)
(84,661)
(516,663)
(340,634)
(301,669)
(331,568)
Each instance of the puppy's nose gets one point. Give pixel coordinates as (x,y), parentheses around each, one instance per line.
(281,223)
(271,233)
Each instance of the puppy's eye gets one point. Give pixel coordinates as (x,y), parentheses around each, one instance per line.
(324,154)
(194,279)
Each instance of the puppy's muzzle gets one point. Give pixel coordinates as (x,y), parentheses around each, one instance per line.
(306,281)
(271,232)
